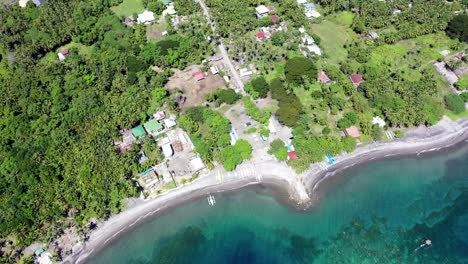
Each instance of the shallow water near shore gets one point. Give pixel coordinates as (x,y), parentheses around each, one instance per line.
(378,212)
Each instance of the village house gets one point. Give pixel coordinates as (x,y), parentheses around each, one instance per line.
(373,35)
(153,127)
(138,131)
(200,76)
(262,11)
(63,54)
(145,18)
(323,78)
(159,115)
(357,79)
(37,3)
(353,132)
(170,122)
(377,120)
(127,141)
(167,150)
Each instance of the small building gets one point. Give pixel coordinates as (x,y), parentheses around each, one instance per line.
(167,150)
(292,155)
(146,17)
(309,6)
(323,78)
(169,122)
(301,2)
(159,115)
(271,8)
(197,164)
(170,10)
(37,3)
(245,72)
(353,132)
(63,54)
(312,14)
(138,131)
(262,11)
(260,35)
(314,49)
(44,258)
(302,30)
(377,120)
(373,35)
(200,76)
(214,70)
(357,79)
(153,126)
(226,78)
(274,18)
(149,178)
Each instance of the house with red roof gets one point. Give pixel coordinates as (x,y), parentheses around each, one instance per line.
(274,18)
(200,76)
(353,132)
(260,35)
(271,8)
(357,79)
(323,78)
(292,155)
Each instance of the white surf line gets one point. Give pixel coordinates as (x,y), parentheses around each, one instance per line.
(84,256)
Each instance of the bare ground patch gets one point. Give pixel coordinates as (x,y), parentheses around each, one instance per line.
(193,91)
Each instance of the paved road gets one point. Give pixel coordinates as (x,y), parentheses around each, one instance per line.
(234,74)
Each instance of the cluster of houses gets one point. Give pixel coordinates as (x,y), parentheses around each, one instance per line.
(270,12)
(309,9)
(175,145)
(153,128)
(148,17)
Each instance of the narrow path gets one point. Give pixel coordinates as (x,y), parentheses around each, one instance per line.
(235,76)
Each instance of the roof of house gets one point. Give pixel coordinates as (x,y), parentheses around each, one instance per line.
(125,149)
(460,55)
(159,115)
(167,150)
(145,17)
(261,9)
(309,6)
(377,120)
(373,35)
(260,34)
(271,8)
(65,52)
(356,78)
(138,131)
(165,2)
(292,155)
(168,122)
(301,2)
(153,125)
(200,75)
(352,131)
(323,77)
(315,49)
(274,18)
(38,2)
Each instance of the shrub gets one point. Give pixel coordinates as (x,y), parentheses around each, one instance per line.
(454,103)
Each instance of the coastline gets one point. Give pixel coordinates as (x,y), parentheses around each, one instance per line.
(274,175)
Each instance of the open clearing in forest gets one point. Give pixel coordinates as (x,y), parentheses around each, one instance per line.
(128,8)
(334,32)
(194,91)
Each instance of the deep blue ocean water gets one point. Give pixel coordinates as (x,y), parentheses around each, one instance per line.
(380,212)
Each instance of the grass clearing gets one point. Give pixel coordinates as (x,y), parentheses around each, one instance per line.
(128,8)
(334,32)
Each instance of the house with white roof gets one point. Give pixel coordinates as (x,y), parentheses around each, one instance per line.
(262,11)
(146,17)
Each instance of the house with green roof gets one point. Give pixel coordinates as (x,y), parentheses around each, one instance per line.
(165,2)
(153,127)
(138,131)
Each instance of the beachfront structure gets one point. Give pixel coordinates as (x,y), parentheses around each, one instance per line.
(353,132)
(153,127)
(377,120)
(138,131)
(262,11)
(149,178)
(167,150)
(146,17)
(197,164)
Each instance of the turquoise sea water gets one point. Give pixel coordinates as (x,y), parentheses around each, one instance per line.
(376,213)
